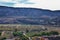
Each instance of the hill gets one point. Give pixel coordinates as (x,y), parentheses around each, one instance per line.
(34,16)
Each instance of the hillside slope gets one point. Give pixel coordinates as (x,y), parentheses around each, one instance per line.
(10,15)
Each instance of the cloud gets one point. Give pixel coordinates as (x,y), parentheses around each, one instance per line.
(25,2)
(10,1)
(13,2)
(45,4)
(6,4)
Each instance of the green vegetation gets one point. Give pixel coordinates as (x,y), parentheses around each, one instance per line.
(43,33)
(20,34)
(54,33)
(17,34)
(24,37)
(30,31)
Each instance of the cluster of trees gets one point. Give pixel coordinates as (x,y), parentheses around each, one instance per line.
(46,33)
(20,34)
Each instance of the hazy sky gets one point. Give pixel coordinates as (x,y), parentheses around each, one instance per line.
(44,4)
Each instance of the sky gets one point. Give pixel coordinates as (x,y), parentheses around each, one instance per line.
(44,4)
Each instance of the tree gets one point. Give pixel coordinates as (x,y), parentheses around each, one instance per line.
(15,30)
(20,34)
(27,30)
(0,33)
(17,33)
(37,35)
(24,37)
(45,33)
(54,33)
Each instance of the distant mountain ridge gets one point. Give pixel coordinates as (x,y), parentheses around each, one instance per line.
(34,16)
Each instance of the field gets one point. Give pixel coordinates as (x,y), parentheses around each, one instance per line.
(30,29)
(21,27)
